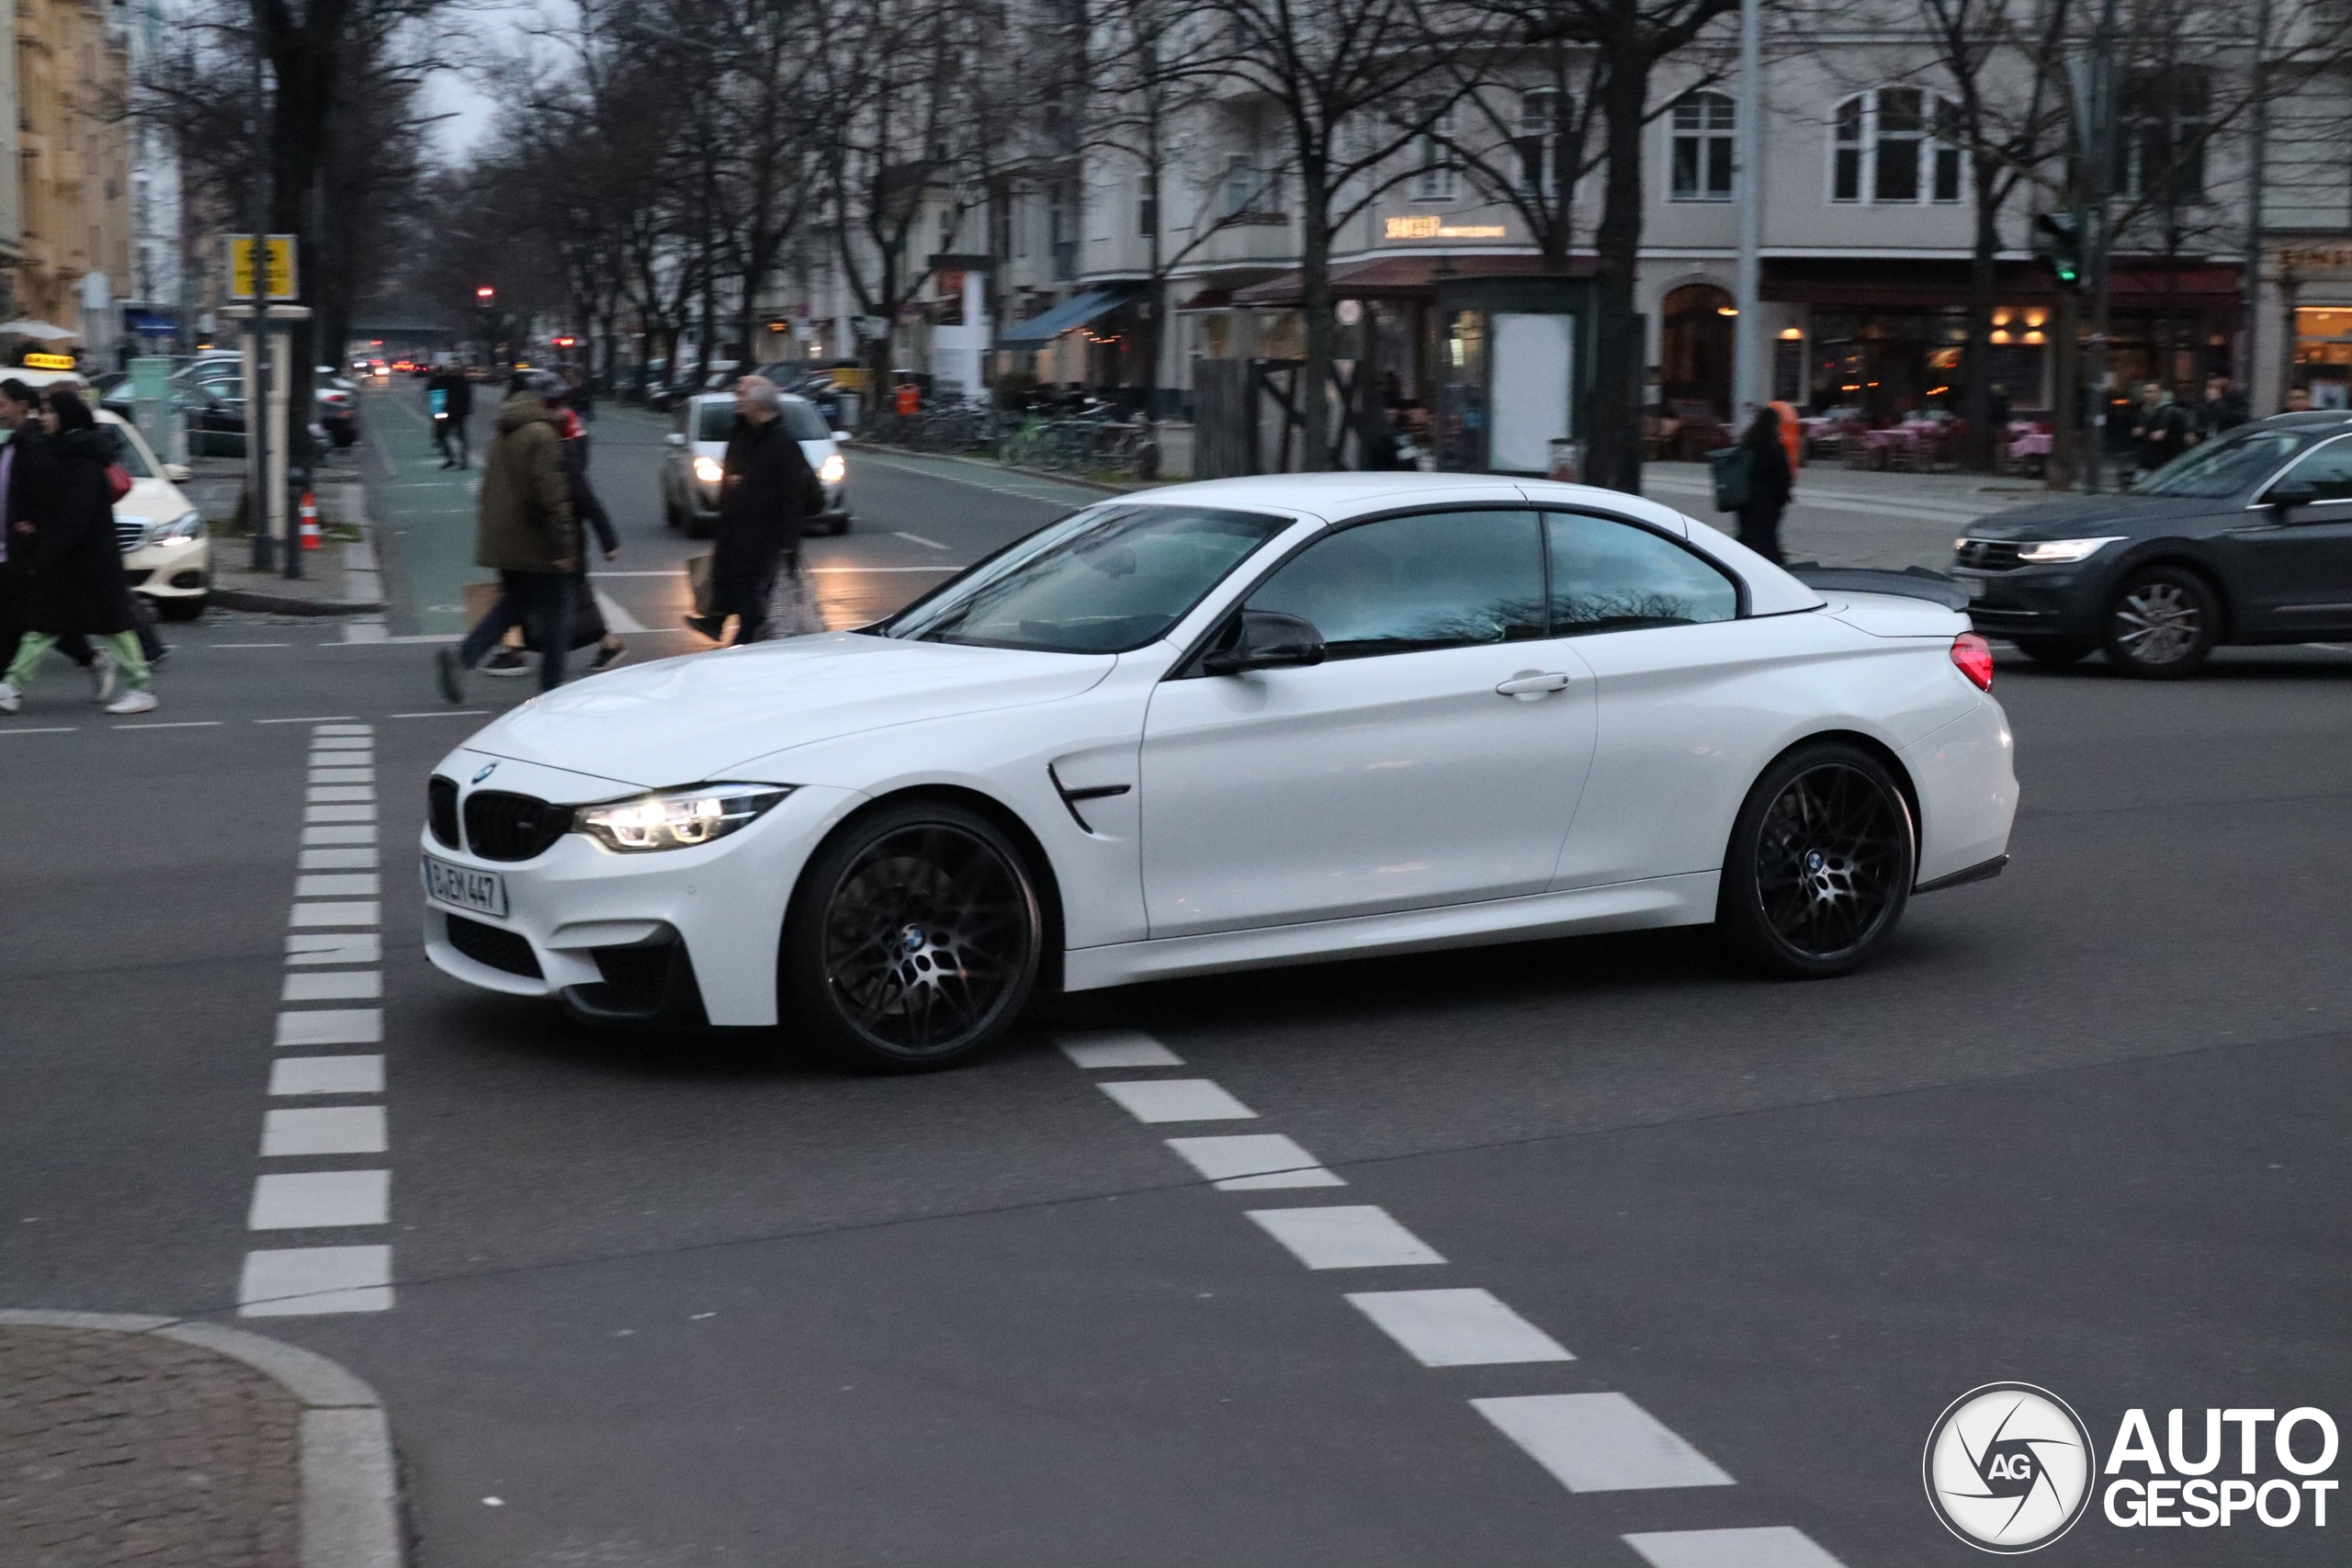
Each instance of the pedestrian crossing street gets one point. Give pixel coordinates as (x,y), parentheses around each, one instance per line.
(1595,1441)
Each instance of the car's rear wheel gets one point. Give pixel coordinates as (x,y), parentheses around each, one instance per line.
(2056,653)
(1820,863)
(914,941)
(2162,623)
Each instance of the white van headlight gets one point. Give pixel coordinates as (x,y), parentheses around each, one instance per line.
(833,469)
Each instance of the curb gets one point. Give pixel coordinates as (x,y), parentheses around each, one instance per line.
(281,604)
(350,1490)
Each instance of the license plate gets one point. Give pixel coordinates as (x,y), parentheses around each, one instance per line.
(1976,587)
(483,892)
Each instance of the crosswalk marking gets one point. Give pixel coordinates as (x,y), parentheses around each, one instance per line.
(1093,1048)
(1457,1328)
(1600,1442)
(1176,1099)
(1348,1235)
(317,1199)
(307,1280)
(1248,1161)
(327,1075)
(323,1130)
(1776,1546)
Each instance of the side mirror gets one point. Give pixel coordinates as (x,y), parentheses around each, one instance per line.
(674,439)
(179,473)
(2287,495)
(1266,639)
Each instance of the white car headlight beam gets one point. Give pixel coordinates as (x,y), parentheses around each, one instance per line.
(833,469)
(710,470)
(187,526)
(2055,552)
(676,818)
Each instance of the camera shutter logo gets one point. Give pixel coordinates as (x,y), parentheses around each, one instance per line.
(2009,1467)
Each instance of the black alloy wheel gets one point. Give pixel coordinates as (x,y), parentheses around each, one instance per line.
(2162,623)
(1820,863)
(2055,652)
(914,940)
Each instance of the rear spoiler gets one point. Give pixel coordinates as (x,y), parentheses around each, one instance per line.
(1911,582)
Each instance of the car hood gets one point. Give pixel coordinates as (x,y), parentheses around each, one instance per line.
(2080,516)
(688,721)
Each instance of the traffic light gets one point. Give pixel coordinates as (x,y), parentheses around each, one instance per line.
(2059,245)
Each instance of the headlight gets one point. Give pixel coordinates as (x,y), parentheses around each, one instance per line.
(2057,552)
(676,818)
(833,470)
(187,526)
(708,471)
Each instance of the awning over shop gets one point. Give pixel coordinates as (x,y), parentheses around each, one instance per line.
(1402,277)
(1075,311)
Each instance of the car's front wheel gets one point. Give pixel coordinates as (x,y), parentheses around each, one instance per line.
(2162,623)
(1820,863)
(914,941)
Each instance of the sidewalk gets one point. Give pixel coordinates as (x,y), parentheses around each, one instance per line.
(186,1445)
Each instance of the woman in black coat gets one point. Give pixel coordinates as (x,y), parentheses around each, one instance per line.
(1769,483)
(69,568)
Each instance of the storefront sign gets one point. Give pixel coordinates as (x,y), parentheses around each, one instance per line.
(1430,226)
(2315,256)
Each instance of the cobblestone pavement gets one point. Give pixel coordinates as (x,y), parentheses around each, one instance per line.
(130,1448)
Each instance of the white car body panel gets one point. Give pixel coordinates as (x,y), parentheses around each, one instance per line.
(1359,807)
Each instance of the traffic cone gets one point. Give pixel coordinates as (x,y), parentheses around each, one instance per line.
(310,515)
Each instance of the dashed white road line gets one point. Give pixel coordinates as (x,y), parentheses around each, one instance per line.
(323,1130)
(1095,1048)
(1176,1099)
(1346,1236)
(919,539)
(320,1200)
(1457,1327)
(327,1075)
(1778,1546)
(304,1281)
(336,888)
(1251,1161)
(177,724)
(1600,1442)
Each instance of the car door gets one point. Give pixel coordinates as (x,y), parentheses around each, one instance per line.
(1690,695)
(2293,566)
(1434,758)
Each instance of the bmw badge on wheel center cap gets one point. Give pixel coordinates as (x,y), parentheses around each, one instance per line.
(2009,1467)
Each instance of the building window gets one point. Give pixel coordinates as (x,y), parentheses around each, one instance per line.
(1539,141)
(1433,180)
(2160,152)
(1146,205)
(1249,190)
(1704,123)
(1896,145)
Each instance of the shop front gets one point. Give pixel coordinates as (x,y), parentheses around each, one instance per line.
(2315,289)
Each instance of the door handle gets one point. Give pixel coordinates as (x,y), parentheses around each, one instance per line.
(1532,683)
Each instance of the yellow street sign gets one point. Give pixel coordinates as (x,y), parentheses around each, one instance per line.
(281,267)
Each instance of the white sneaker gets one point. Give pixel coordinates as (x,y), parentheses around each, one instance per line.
(10,698)
(133,702)
(101,676)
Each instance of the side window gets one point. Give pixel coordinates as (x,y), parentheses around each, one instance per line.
(1609,576)
(1440,580)
(2327,470)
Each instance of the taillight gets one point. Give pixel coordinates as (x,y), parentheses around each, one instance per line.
(1972,656)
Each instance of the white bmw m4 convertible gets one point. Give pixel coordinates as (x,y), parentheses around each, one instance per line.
(1218,726)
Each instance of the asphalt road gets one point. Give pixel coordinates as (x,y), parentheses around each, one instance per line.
(669,1300)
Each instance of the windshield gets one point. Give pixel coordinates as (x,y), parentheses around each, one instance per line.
(2223,467)
(716,420)
(1103,581)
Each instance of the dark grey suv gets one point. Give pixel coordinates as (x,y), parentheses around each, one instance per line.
(2247,538)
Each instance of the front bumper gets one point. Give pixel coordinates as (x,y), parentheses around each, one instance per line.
(678,936)
(2048,601)
(171,572)
(706,508)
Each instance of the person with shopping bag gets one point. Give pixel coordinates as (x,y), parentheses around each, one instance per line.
(526,532)
(766,490)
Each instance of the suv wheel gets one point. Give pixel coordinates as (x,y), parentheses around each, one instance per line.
(913,941)
(2162,623)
